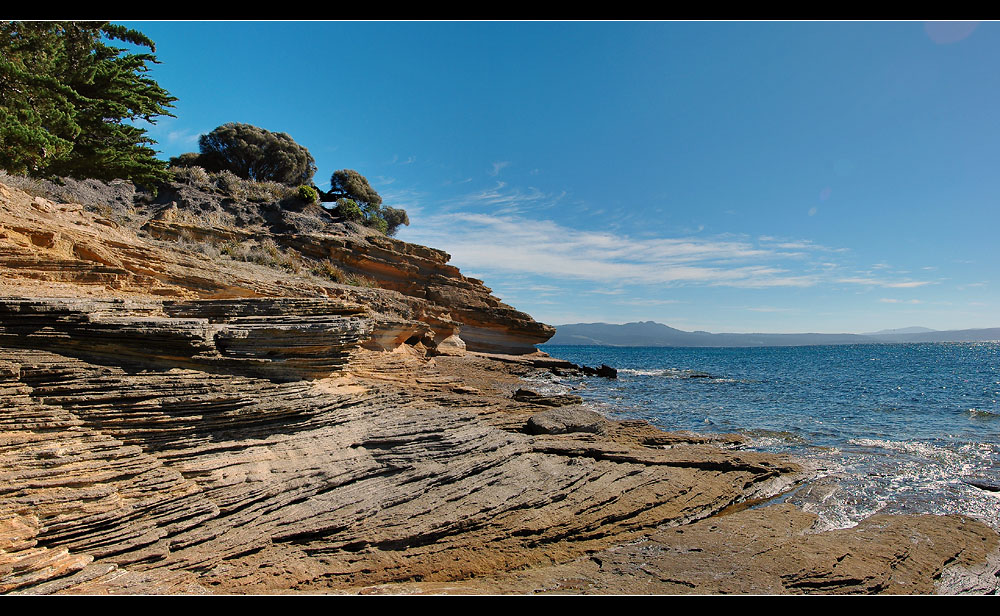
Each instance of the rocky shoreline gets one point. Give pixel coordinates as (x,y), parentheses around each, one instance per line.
(174,422)
(405,475)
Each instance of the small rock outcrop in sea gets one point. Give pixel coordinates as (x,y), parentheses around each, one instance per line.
(982,484)
(603,370)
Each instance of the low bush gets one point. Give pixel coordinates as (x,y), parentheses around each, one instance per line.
(348,209)
(360,280)
(193,176)
(308,194)
(326,269)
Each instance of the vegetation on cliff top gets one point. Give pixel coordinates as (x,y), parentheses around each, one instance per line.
(356,200)
(252,153)
(259,155)
(68,101)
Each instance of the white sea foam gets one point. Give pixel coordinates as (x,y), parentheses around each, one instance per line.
(676,373)
(910,447)
(668,372)
(902,440)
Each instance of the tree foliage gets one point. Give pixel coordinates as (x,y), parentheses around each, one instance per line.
(348,209)
(357,201)
(253,153)
(349,184)
(67,100)
(394,217)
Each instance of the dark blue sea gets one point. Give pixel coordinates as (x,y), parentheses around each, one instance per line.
(888,428)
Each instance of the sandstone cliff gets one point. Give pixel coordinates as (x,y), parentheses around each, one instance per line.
(196,243)
(180,417)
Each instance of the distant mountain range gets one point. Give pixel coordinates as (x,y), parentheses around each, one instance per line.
(649,333)
(902,330)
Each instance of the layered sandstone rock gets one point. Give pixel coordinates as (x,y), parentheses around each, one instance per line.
(172,249)
(392,471)
(281,337)
(770,550)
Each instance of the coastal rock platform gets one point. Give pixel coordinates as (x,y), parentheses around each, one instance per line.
(408,474)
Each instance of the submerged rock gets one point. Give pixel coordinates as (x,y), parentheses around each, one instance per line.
(982,484)
(603,370)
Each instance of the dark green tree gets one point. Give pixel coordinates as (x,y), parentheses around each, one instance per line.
(188,159)
(68,100)
(394,217)
(349,184)
(255,153)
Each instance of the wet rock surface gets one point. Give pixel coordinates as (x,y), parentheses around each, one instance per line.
(773,550)
(533,397)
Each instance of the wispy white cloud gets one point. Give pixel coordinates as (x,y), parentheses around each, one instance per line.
(515,244)
(182,137)
(607,291)
(771,241)
(500,199)
(643,301)
(889,284)
(545,288)
(890,300)
(498,166)
(409,160)
(971,285)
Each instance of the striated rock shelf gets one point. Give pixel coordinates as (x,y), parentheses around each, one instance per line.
(488,325)
(353,480)
(279,337)
(769,550)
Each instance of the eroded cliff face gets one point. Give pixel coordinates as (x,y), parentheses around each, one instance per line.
(172,421)
(176,245)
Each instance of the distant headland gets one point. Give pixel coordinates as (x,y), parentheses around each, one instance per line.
(649,333)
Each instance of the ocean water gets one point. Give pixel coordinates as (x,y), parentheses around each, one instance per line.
(889,428)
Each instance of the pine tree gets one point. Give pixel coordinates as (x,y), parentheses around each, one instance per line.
(67,100)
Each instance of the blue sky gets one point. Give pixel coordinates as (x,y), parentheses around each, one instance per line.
(722,176)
